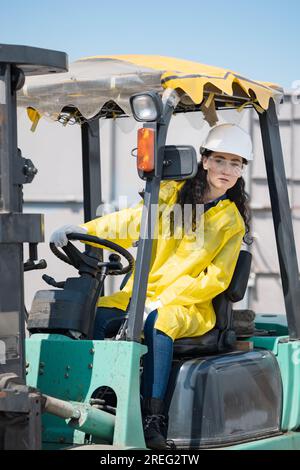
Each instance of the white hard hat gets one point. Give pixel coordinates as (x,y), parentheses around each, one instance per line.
(229,138)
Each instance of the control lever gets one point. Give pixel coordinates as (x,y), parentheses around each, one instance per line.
(52,282)
(31,264)
(113,266)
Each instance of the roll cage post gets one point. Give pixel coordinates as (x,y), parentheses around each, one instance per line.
(282,218)
(149,215)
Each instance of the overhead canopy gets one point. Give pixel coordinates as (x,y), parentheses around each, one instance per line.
(92,82)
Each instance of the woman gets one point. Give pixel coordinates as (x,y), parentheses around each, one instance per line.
(186,272)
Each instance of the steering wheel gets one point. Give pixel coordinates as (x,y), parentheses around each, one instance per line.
(73,256)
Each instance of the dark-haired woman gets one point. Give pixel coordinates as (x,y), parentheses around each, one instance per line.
(192,261)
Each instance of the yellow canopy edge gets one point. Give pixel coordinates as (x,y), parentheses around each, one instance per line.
(191,77)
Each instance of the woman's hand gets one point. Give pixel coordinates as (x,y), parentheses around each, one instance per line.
(150,306)
(59,236)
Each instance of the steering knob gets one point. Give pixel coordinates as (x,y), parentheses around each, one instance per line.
(114,258)
(115,265)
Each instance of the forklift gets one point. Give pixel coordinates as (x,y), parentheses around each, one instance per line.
(59,388)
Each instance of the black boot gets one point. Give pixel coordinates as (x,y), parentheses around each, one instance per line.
(154,423)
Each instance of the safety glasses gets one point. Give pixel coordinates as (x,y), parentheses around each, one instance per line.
(230,167)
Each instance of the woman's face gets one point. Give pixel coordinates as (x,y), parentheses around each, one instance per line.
(223,170)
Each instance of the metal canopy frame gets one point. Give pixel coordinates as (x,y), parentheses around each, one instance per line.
(111,110)
(33,60)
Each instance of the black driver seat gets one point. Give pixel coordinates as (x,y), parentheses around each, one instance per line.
(222,337)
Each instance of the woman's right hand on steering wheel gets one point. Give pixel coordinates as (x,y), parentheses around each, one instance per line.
(59,236)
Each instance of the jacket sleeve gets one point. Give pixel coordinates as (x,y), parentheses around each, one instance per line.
(121,227)
(187,290)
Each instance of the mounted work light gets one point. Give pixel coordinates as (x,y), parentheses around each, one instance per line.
(146,107)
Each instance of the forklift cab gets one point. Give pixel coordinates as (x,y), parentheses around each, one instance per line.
(231,398)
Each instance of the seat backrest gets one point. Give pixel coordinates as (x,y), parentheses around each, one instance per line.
(239,281)
(235,292)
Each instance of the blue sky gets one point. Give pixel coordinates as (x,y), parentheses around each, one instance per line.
(258,39)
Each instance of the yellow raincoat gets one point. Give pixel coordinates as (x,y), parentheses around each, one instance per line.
(185,275)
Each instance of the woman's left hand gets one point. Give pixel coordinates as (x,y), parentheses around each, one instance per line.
(150,306)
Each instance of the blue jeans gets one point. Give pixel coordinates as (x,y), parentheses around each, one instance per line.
(158,360)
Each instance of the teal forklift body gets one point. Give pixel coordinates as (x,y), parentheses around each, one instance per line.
(73,370)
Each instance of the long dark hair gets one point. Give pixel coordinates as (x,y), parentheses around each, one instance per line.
(194,189)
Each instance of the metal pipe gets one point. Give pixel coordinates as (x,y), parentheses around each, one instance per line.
(95,422)
(61,408)
(82,416)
